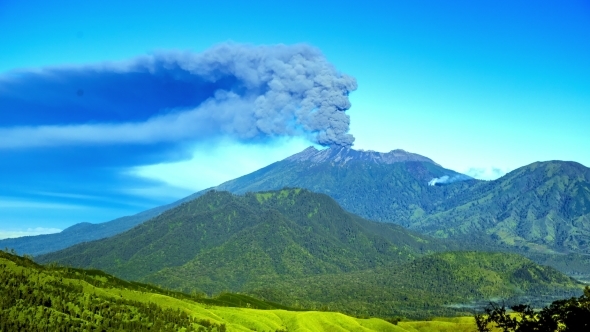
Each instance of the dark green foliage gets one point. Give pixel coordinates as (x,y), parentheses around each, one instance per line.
(301,249)
(449,283)
(540,207)
(35,298)
(224,242)
(571,315)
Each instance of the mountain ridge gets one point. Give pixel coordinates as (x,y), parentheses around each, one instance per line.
(294,231)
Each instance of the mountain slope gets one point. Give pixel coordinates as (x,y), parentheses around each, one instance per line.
(387,187)
(441,283)
(84,232)
(542,206)
(224,241)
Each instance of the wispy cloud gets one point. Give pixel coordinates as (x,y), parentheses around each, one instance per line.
(486,173)
(8,202)
(4,234)
(94,130)
(212,165)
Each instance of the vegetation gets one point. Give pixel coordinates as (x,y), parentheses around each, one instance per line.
(541,207)
(53,298)
(452,283)
(223,242)
(571,315)
(33,298)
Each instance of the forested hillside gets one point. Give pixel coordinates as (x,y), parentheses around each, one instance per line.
(544,206)
(224,241)
(451,283)
(300,248)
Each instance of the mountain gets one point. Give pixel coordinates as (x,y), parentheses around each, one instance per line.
(223,242)
(296,247)
(378,186)
(544,206)
(390,187)
(541,207)
(83,232)
(437,284)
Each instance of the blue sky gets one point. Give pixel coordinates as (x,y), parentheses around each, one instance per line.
(481,87)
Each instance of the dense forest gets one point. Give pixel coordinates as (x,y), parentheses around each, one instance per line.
(451,283)
(55,298)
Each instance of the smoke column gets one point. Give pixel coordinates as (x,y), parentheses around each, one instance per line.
(445,179)
(245,92)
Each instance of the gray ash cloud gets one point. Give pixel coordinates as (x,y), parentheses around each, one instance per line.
(245,92)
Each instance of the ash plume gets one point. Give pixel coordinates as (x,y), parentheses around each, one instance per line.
(245,92)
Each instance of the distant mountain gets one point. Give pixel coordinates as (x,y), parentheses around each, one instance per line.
(390,187)
(544,206)
(220,241)
(83,232)
(379,186)
(437,284)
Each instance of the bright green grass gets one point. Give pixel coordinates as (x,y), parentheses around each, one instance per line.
(235,319)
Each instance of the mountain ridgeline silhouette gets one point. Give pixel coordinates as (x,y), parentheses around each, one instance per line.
(542,207)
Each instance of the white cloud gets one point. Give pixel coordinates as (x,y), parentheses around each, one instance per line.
(4,234)
(213,165)
(486,173)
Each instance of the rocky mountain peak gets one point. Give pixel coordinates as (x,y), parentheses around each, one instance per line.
(343,155)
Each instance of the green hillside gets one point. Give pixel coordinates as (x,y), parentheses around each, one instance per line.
(450,283)
(301,249)
(225,241)
(44,298)
(544,206)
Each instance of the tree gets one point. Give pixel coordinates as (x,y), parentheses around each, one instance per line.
(570,315)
